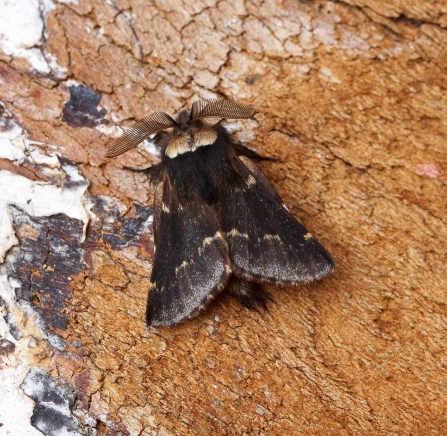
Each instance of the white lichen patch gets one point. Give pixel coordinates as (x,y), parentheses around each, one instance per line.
(15,407)
(73,173)
(150,148)
(12,141)
(32,344)
(112,130)
(37,199)
(15,146)
(328,76)
(243,129)
(21,28)
(21,33)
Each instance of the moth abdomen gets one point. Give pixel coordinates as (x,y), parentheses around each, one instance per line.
(250,294)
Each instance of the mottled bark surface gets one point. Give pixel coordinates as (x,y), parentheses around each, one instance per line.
(352,99)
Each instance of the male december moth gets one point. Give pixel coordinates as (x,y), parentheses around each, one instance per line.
(218,223)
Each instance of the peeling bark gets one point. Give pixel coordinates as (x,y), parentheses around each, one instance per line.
(351,97)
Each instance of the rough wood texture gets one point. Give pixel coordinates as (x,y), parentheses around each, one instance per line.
(352,98)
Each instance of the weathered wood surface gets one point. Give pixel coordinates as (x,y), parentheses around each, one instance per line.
(352,98)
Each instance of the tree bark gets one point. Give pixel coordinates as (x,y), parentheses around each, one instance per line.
(352,99)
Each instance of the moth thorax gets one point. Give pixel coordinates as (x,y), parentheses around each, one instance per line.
(204,136)
(178,145)
(191,140)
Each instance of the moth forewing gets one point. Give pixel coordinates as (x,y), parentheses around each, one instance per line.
(266,243)
(259,177)
(191,263)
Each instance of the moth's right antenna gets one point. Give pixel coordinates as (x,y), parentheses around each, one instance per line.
(220,108)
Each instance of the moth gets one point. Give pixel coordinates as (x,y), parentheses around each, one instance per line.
(218,223)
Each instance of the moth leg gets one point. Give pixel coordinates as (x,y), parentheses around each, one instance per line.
(142,170)
(241,150)
(153,172)
(250,294)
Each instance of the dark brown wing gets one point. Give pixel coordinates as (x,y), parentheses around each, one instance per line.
(266,243)
(191,264)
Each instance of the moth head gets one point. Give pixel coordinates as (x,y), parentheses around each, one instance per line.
(183,122)
(190,130)
(193,132)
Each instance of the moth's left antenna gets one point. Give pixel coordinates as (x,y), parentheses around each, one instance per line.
(141,130)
